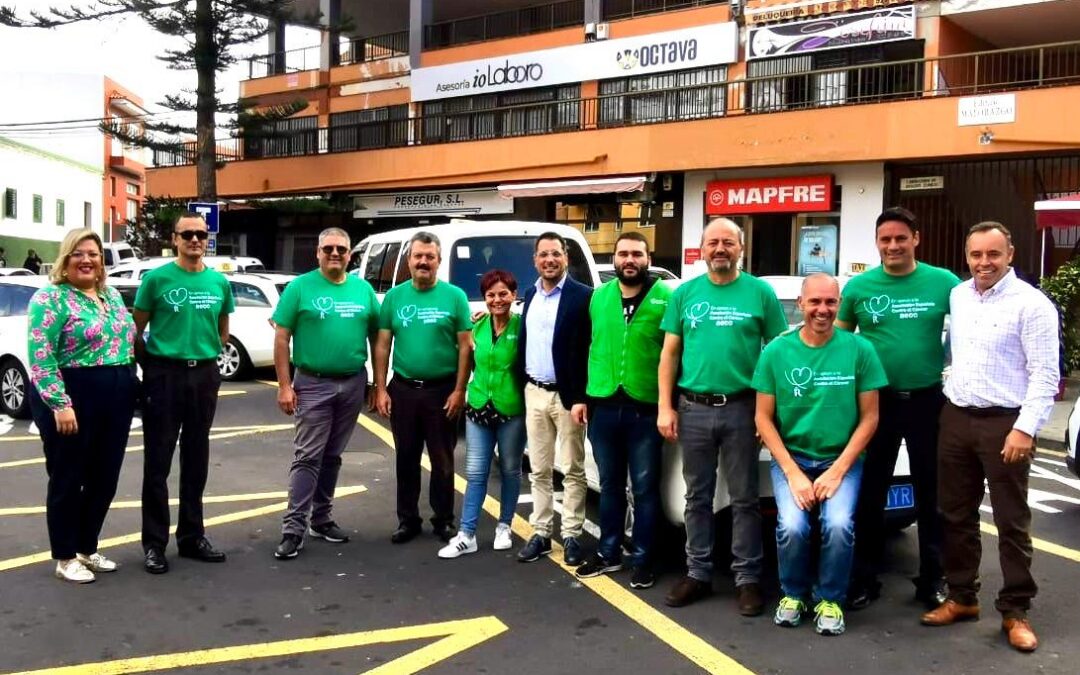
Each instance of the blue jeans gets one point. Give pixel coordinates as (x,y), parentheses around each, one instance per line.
(624,438)
(837,516)
(479,448)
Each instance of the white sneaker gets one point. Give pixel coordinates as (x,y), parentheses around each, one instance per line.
(503,537)
(73,570)
(460,545)
(96,562)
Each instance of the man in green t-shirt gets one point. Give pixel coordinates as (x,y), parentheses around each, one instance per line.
(186,306)
(716,325)
(900,308)
(329,317)
(816,411)
(427,322)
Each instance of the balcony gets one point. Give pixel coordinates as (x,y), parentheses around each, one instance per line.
(627,9)
(353,50)
(511,23)
(1054,65)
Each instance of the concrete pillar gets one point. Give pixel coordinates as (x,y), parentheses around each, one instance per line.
(420,15)
(276,38)
(330,52)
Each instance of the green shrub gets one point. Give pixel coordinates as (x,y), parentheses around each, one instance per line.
(1064,289)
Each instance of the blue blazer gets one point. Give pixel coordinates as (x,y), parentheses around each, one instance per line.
(569,345)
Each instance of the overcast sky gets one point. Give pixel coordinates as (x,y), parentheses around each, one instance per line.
(123,48)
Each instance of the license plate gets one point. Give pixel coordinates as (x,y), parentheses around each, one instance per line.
(900,497)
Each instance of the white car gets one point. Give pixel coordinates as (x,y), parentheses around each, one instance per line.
(15,272)
(15,294)
(137,269)
(251,335)
(607,273)
(1071,439)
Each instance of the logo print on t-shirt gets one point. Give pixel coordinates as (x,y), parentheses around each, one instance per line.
(697,311)
(799,378)
(324,304)
(877,306)
(406,314)
(176,297)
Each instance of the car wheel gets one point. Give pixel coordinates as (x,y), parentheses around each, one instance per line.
(233,361)
(14,389)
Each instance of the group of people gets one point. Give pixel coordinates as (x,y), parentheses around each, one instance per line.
(712,365)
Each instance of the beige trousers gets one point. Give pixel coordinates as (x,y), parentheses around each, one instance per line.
(548,423)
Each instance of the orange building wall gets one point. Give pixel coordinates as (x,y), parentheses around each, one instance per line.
(136,172)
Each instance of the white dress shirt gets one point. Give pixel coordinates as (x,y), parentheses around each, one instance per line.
(540,332)
(1005,350)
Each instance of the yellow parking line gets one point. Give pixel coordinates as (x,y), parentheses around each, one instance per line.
(231,392)
(1039,544)
(457,636)
(266,428)
(1052,453)
(237,516)
(219,499)
(675,635)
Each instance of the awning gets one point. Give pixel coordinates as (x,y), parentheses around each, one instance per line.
(573,187)
(1058,212)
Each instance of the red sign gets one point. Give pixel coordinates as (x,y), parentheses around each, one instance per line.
(691,255)
(794,194)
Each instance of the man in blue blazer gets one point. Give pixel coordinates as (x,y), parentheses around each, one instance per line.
(553,355)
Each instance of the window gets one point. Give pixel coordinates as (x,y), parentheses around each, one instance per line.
(664,97)
(132,209)
(39,207)
(127,293)
(87,213)
(471,257)
(112,186)
(357,258)
(113,218)
(379,271)
(133,189)
(283,138)
(517,113)
(11,203)
(247,295)
(14,299)
(591,226)
(108,258)
(373,128)
(59,211)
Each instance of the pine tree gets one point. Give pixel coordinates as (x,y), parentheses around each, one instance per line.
(211,30)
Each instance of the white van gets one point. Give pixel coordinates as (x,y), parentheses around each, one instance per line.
(118,252)
(469,249)
(137,269)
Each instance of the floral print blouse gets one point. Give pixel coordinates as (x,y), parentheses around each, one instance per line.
(67,329)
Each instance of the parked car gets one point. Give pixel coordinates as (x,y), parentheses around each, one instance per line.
(251,335)
(119,252)
(15,272)
(15,294)
(607,273)
(1071,439)
(137,269)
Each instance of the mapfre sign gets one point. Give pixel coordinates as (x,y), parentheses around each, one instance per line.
(795,194)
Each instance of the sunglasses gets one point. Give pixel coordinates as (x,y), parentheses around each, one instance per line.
(188,235)
(330,250)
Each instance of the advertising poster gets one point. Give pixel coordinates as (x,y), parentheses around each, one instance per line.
(817,249)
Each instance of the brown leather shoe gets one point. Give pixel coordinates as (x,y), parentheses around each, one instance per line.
(686,591)
(1021,637)
(949,613)
(748,597)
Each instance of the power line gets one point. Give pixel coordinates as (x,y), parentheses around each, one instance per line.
(96,120)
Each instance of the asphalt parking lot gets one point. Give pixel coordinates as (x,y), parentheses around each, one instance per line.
(369,606)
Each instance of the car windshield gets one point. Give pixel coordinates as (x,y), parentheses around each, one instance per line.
(473,256)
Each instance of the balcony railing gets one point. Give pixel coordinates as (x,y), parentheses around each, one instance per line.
(535,19)
(1020,68)
(354,50)
(625,9)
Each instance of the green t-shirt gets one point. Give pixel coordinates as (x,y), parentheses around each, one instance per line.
(330,323)
(902,317)
(184,308)
(817,389)
(722,329)
(425,325)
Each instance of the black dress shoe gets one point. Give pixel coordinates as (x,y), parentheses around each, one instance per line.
(445,531)
(155,562)
(201,549)
(405,533)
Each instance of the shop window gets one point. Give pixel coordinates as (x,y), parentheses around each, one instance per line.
(664,97)
(518,113)
(11,203)
(39,208)
(386,127)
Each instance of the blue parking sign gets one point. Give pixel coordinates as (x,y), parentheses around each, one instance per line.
(208,211)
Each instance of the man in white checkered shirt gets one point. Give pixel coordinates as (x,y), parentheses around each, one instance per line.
(1001,389)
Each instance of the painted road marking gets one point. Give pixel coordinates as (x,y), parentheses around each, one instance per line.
(137,431)
(1039,544)
(674,634)
(46,556)
(219,499)
(267,428)
(456,637)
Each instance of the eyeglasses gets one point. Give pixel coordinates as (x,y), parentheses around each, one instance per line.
(84,255)
(188,235)
(330,250)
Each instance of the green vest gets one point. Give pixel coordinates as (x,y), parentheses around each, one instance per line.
(623,354)
(494,378)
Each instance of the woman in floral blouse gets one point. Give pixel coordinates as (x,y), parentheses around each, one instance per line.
(81,347)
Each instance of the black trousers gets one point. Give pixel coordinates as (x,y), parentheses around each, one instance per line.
(912,416)
(84,467)
(417,417)
(180,403)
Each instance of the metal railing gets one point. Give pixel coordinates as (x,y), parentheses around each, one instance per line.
(625,9)
(961,75)
(352,50)
(374,48)
(524,21)
(279,63)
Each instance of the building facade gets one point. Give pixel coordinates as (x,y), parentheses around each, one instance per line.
(800,120)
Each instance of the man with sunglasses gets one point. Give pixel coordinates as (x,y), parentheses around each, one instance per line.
(329,317)
(186,306)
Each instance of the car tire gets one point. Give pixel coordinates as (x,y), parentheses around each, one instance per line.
(14,389)
(233,361)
